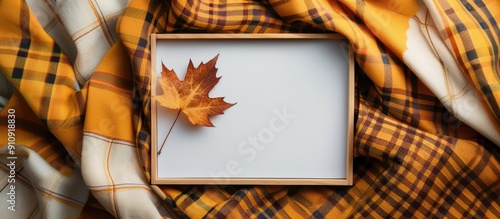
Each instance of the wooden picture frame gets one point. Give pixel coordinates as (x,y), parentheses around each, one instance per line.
(293,121)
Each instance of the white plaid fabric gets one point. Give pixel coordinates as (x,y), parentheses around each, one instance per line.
(85,30)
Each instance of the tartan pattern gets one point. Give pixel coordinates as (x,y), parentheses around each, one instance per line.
(405,137)
(475,38)
(80,28)
(40,139)
(110,165)
(148,20)
(38,69)
(413,158)
(424,171)
(31,184)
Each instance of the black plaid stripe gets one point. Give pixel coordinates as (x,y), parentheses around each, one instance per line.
(153,20)
(237,17)
(414,105)
(487,24)
(465,44)
(332,201)
(441,178)
(38,69)
(255,202)
(46,145)
(399,163)
(37,63)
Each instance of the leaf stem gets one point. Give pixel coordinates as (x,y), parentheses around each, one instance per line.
(159,152)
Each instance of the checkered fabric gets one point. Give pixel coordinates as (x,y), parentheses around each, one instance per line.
(427,130)
(85,30)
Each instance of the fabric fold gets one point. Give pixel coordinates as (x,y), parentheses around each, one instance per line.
(110,166)
(426,136)
(85,30)
(39,191)
(444,77)
(470,31)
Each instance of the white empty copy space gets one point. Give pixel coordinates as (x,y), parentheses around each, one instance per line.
(290,120)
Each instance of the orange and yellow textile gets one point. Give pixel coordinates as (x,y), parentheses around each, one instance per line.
(427,132)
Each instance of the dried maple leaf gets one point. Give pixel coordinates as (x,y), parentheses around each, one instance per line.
(191,95)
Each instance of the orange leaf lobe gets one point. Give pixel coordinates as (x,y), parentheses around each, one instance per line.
(191,95)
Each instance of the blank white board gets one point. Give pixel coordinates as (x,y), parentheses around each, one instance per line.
(292,123)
